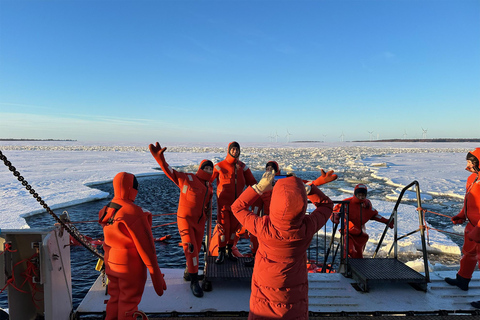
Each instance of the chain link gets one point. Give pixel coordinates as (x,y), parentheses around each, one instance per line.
(71,229)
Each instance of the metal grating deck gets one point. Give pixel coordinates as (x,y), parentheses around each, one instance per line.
(227,270)
(367,270)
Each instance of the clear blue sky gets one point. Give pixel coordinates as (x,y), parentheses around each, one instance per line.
(209,71)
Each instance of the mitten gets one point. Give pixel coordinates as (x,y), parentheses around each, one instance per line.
(326,177)
(266,183)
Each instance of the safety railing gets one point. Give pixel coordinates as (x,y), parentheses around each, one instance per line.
(326,256)
(421,228)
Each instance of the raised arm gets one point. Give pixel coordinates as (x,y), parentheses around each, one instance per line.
(157,152)
(324,209)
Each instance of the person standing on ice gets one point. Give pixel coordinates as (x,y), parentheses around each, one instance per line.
(360,211)
(129,250)
(471,212)
(194,205)
(231,175)
(279,288)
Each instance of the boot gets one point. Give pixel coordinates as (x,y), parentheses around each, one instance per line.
(221,256)
(460,282)
(249,263)
(230,255)
(186,275)
(195,286)
(475,304)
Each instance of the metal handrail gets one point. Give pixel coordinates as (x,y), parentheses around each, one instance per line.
(421,228)
(343,212)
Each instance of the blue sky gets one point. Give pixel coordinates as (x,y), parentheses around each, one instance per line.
(214,71)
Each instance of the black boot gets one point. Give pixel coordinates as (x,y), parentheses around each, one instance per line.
(250,263)
(460,282)
(221,256)
(186,275)
(475,304)
(230,255)
(195,286)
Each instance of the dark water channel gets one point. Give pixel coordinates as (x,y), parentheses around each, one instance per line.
(159,195)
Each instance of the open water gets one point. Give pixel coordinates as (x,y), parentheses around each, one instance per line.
(160,196)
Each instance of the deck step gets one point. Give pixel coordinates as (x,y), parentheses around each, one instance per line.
(228,270)
(384,270)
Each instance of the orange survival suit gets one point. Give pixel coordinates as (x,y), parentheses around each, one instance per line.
(193,207)
(471,212)
(231,175)
(360,212)
(262,205)
(129,249)
(279,281)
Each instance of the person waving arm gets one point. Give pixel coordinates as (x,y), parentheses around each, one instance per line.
(157,152)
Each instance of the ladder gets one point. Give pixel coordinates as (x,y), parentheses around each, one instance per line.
(367,271)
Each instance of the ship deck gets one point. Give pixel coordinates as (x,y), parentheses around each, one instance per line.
(330,295)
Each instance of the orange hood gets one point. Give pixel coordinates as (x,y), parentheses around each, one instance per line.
(203,174)
(288,204)
(229,157)
(125,186)
(476,153)
(275,164)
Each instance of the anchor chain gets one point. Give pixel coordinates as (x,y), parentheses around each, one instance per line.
(71,229)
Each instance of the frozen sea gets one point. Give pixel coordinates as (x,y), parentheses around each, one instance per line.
(75,176)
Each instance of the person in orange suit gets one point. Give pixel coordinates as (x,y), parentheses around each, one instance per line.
(471,212)
(360,211)
(279,288)
(129,249)
(262,205)
(231,176)
(194,205)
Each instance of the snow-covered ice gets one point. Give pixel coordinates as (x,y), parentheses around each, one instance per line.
(61,173)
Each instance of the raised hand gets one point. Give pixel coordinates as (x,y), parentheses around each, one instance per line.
(156,150)
(326,177)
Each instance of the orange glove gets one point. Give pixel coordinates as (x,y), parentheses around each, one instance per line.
(474,235)
(157,150)
(385,220)
(335,217)
(353,229)
(391,224)
(158,283)
(458,219)
(326,177)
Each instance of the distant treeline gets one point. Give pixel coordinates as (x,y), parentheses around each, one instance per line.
(422,140)
(400,140)
(36,139)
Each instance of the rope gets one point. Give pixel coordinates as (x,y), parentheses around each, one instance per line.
(90,221)
(452,233)
(31,271)
(163,225)
(438,214)
(442,215)
(68,227)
